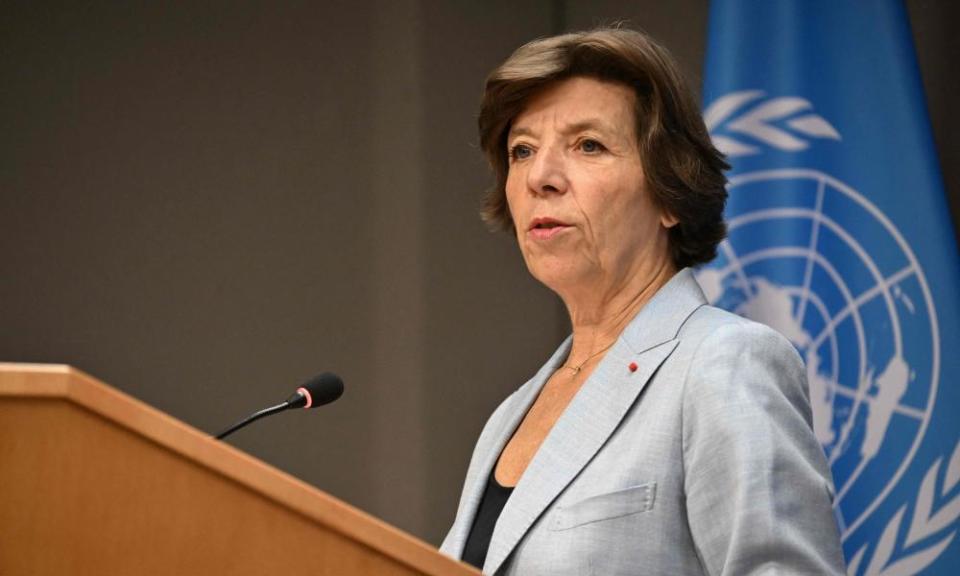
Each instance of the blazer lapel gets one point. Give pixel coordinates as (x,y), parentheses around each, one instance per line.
(593,414)
(489,448)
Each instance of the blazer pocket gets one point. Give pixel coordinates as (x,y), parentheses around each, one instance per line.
(632,500)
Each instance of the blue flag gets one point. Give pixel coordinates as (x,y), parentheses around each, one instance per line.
(840,238)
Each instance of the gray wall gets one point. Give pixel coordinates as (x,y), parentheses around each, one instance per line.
(205,205)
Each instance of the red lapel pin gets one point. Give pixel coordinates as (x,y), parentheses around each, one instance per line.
(632,366)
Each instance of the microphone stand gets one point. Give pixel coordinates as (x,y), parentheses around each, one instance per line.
(253,417)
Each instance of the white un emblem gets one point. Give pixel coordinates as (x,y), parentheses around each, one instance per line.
(813,258)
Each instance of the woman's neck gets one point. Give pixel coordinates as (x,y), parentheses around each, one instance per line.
(599,316)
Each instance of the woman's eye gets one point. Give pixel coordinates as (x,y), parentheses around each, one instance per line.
(591,146)
(519,152)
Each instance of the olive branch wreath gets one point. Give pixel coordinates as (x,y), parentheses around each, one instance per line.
(925,523)
(777,122)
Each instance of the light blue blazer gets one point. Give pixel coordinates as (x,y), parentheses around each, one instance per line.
(702,460)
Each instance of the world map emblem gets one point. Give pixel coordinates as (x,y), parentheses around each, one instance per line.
(813,258)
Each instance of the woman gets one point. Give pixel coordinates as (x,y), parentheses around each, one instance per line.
(664,436)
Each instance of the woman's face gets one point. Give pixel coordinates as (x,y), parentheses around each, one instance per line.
(576,189)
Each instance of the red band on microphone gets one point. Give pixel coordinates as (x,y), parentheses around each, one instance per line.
(306,394)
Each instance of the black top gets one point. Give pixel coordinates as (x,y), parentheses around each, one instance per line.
(495,497)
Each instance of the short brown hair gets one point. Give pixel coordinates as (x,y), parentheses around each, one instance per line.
(683,170)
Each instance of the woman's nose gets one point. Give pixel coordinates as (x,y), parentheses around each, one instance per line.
(547,173)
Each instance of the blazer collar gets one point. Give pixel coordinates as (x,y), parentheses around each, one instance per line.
(661,318)
(592,416)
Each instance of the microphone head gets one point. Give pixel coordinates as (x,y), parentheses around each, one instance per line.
(317,391)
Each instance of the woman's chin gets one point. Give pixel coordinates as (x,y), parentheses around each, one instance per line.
(558,275)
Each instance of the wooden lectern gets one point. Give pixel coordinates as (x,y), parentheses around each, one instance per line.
(95,482)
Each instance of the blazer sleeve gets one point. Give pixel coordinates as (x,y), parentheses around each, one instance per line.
(758,488)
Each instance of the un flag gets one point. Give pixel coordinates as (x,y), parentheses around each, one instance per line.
(840,238)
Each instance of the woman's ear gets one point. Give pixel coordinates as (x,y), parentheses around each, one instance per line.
(668,220)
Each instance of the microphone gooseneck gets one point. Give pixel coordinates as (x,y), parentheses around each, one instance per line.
(319,390)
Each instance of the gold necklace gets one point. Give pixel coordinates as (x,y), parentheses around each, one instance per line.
(576,369)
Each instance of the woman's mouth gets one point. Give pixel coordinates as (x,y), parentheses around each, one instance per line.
(546,228)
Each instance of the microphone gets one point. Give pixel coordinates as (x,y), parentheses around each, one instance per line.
(317,391)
